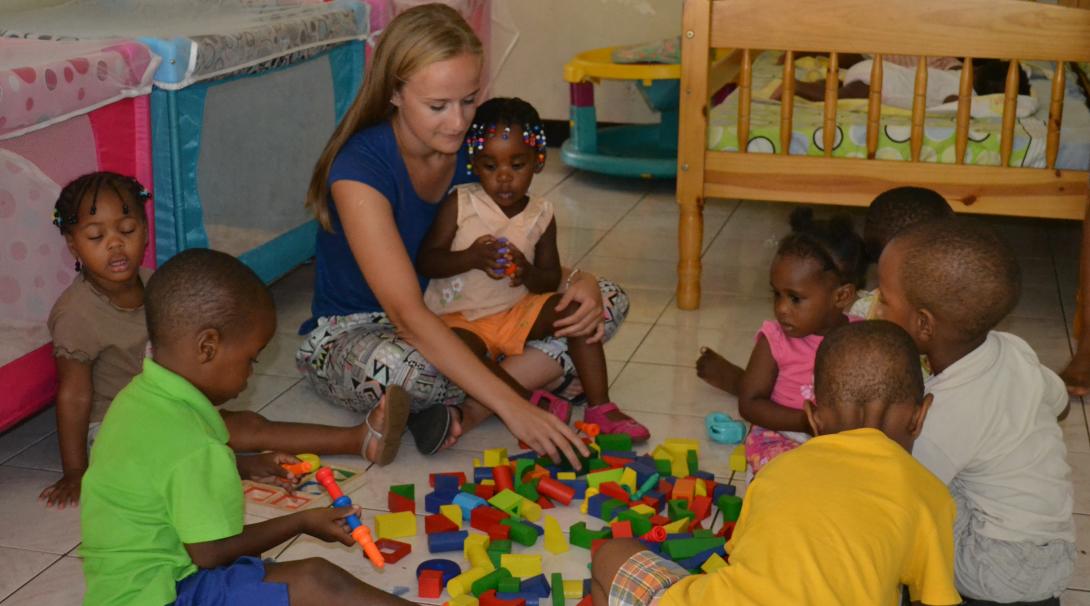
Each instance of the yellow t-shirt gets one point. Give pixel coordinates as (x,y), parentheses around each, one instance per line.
(845,518)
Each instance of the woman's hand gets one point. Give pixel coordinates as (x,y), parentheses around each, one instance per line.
(544,433)
(588,319)
(266,468)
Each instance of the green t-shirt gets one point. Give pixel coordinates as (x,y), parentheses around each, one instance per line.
(161,475)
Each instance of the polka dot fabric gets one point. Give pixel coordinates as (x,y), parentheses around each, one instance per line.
(43,82)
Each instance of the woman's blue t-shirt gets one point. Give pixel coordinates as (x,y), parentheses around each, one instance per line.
(371,157)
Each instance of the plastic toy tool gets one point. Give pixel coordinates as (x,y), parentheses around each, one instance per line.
(361,533)
(307,463)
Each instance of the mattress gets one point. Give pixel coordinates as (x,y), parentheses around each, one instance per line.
(46,82)
(807,136)
(202,39)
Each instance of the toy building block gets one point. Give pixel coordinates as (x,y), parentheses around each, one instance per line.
(482,518)
(499,532)
(586,601)
(521,467)
(507,501)
(490,581)
(573,590)
(466,503)
(434,500)
(579,535)
(638,523)
(642,509)
(654,500)
(738,458)
(647,486)
(556,491)
(442,542)
(523,534)
(477,555)
(566,475)
(555,541)
(511,585)
(489,598)
(481,474)
(614,491)
(692,461)
(677,509)
(307,463)
(528,489)
(680,549)
(701,507)
(523,566)
(504,477)
(727,530)
(434,482)
(606,475)
(463,600)
(657,534)
(730,506)
(544,503)
(463,583)
(713,563)
(694,562)
(395,503)
(430,583)
(392,551)
(628,479)
(700,487)
(536,586)
(395,525)
(611,508)
(684,488)
(530,510)
(621,530)
(592,505)
(406,490)
(722,489)
(677,525)
(495,456)
(659,520)
(452,512)
(556,581)
(485,491)
(614,441)
(450,569)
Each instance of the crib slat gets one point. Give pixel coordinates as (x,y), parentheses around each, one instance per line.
(874,107)
(744,96)
(787,102)
(919,107)
(1055,114)
(965,104)
(832,86)
(1010,109)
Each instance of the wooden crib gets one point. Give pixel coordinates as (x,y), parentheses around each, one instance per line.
(967,29)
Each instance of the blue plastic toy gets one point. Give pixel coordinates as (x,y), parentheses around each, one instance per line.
(723,429)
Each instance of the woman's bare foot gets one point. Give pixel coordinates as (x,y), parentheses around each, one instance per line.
(1077,374)
(457,426)
(718,371)
(377,417)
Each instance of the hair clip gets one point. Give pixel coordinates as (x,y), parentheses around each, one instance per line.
(57,220)
(143,193)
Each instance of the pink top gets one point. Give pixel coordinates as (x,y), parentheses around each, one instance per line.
(795,361)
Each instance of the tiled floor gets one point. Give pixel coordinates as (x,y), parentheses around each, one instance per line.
(627,231)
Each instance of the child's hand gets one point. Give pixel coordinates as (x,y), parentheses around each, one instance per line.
(485,256)
(518,260)
(328,523)
(63,492)
(266,468)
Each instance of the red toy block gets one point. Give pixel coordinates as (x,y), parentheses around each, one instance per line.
(489,598)
(709,487)
(652,502)
(485,491)
(439,523)
(701,506)
(615,462)
(622,530)
(656,534)
(483,517)
(558,491)
(537,472)
(397,503)
(657,520)
(586,601)
(430,583)
(727,530)
(614,491)
(684,488)
(595,544)
(665,487)
(457,474)
(392,550)
(545,503)
(504,477)
(498,532)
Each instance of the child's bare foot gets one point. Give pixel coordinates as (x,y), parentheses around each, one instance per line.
(718,371)
(1077,374)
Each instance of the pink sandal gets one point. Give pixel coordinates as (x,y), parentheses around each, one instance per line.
(631,427)
(558,407)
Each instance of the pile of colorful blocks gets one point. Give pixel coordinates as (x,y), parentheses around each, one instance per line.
(662,499)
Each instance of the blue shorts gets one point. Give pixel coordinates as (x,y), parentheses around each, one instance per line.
(242,583)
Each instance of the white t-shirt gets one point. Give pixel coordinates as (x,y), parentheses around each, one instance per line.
(992,431)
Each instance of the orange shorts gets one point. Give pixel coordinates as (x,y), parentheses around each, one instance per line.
(506,332)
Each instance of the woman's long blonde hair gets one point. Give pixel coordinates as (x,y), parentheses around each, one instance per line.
(414,39)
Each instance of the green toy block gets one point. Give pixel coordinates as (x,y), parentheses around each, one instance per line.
(521,533)
(406,490)
(679,549)
(511,585)
(662,466)
(640,524)
(579,535)
(596,465)
(703,533)
(612,507)
(677,509)
(497,549)
(529,490)
(607,475)
(557,589)
(730,506)
(469,487)
(507,501)
(521,467)
(617,442)
(489,581)
(693,461)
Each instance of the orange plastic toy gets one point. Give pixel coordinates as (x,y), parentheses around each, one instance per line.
(361,533)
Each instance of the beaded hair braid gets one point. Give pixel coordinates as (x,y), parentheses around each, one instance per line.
(496,117)
(133,195)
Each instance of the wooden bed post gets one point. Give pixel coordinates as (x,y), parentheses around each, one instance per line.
(693,123)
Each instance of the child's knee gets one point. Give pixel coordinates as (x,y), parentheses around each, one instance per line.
(610,557)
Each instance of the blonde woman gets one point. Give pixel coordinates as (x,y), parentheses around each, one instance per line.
(375,191)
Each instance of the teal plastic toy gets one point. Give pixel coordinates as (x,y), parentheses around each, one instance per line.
(723,429)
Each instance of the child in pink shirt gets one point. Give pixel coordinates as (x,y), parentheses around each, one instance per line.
(814,277)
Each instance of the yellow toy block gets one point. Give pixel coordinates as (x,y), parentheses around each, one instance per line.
(586,499)
(452,513)
(738,458)
(530,510)
(481,540)
(573,590)
(628,478)
(713,563)
(678,448)
(477,463)
(555,541)
(677,526)
(523,566)
(463,600)
(494,457)
(395,525)
(488,482)
(643,509)
(700,489)
(478,557)
(566,475)
(461,584)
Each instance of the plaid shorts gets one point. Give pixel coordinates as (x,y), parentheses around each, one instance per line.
(643,579)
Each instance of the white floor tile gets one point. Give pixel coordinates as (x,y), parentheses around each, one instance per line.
(1074,427)
(17,566)
(60,585)
(27,523)
(552,175)
(666,389)
(260,391)
(721,311)
(580,202)
(626,340)
(575,242)
(45,454)
(28,432)
(1074,597)
(1080,478)
(633,273)
(301,404)
(647,304)
(278,357)
(680,345)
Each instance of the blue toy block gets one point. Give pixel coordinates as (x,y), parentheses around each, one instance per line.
(446,541)
(697,560)
(433,500)
(449,568)
(540,530)
(644,466)
(679,535)
(481,473)
(703,475)
(531,600)
(578,485)
(586,586)
(722,489)
(594,505)
(536,586)
(446,484)
(652,546)
(468,502)
(620,454)
(529,454)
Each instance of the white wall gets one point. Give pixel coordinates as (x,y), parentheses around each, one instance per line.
(10,6)
(539,36)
